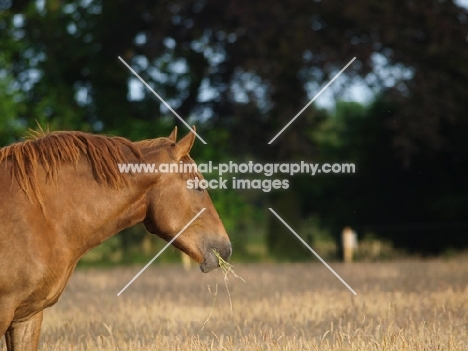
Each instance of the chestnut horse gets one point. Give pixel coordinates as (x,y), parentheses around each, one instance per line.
(62,195)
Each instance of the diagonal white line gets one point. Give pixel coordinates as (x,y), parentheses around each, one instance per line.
(162,100)
(316,254)
(160,252)
(311,101)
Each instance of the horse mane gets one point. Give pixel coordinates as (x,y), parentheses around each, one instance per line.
(51,150)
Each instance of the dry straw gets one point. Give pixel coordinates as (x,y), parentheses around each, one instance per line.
(227,268)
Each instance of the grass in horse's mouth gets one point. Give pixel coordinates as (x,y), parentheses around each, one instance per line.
(227,268)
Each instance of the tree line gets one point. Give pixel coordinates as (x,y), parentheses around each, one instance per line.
(240,70)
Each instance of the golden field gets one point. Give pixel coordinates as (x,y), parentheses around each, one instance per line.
(413,305)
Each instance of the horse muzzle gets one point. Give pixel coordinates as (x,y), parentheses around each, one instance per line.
(211,261)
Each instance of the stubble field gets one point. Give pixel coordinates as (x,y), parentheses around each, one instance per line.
(399,306)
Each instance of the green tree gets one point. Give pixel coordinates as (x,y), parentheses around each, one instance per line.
(244,69)
(11,108)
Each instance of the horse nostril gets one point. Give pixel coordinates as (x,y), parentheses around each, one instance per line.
(224,249)
(226,252)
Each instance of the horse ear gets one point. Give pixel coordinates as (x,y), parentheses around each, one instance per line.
(185,144)
(173,135)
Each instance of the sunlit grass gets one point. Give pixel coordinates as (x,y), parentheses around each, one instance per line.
(400,306)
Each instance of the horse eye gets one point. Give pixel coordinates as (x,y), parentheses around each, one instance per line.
(198,188)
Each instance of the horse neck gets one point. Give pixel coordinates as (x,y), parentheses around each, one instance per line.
(87,213)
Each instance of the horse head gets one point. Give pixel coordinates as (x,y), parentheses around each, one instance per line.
(172,204)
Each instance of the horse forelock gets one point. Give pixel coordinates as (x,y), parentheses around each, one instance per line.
(164,143)
(51,150)
(191,175)
(154,143)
